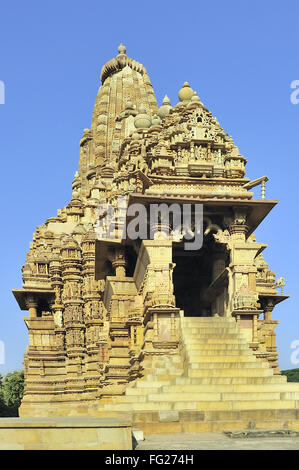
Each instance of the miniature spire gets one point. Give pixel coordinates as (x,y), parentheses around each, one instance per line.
(186,92)
(156,121)
(165,108)
(142,120)
(195,98)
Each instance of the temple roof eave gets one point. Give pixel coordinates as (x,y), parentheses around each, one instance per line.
(258,209)
(275,298)
(22,294)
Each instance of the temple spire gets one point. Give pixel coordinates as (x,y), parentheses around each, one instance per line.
(123,80)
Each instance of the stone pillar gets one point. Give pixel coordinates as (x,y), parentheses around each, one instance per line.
(57,284)
(160,316)
(40,355)
(266,336)
(119,261)
(59,330)
(73,317)
(268,308)
(247,320)
(118,297)
(94,316)
(243,294)
(32,305)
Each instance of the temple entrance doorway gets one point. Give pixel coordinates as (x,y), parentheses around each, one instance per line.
(193,278)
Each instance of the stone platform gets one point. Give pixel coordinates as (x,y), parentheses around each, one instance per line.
(214,441)
(67,433)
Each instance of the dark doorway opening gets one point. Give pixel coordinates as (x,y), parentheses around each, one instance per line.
(192,278)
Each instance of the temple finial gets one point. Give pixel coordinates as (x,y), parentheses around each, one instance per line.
(122,49)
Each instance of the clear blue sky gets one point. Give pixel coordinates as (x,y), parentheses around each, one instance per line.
(240,56)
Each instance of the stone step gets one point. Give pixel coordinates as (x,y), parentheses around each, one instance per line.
(249,375)
(194,357)
(210,325)
(251,416)
(229,372)
(213,426)
(206,396)
(223,392)
(130,399)
(142,391)
(289,395)
(261,395)
(228,405)
(227,365)
(204,405)
(167,367)
(208,320)
(227,388)
(171,371)
(167,377)
(136,407)
(181,397)
(214,396)
(264,405)
(210,329)
(210,332)
(246,380)
(215,342)
(239,420)
(218,347)
(209,353)
(219,337)
(151,382)
(232,415)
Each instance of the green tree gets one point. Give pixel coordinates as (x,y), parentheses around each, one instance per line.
(2,404)
(292,375)
(13,390)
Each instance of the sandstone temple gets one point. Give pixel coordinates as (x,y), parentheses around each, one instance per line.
(178,339)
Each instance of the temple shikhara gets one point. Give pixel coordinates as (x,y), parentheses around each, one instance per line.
(179,339)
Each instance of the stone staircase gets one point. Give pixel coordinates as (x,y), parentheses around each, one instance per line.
(216,383)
